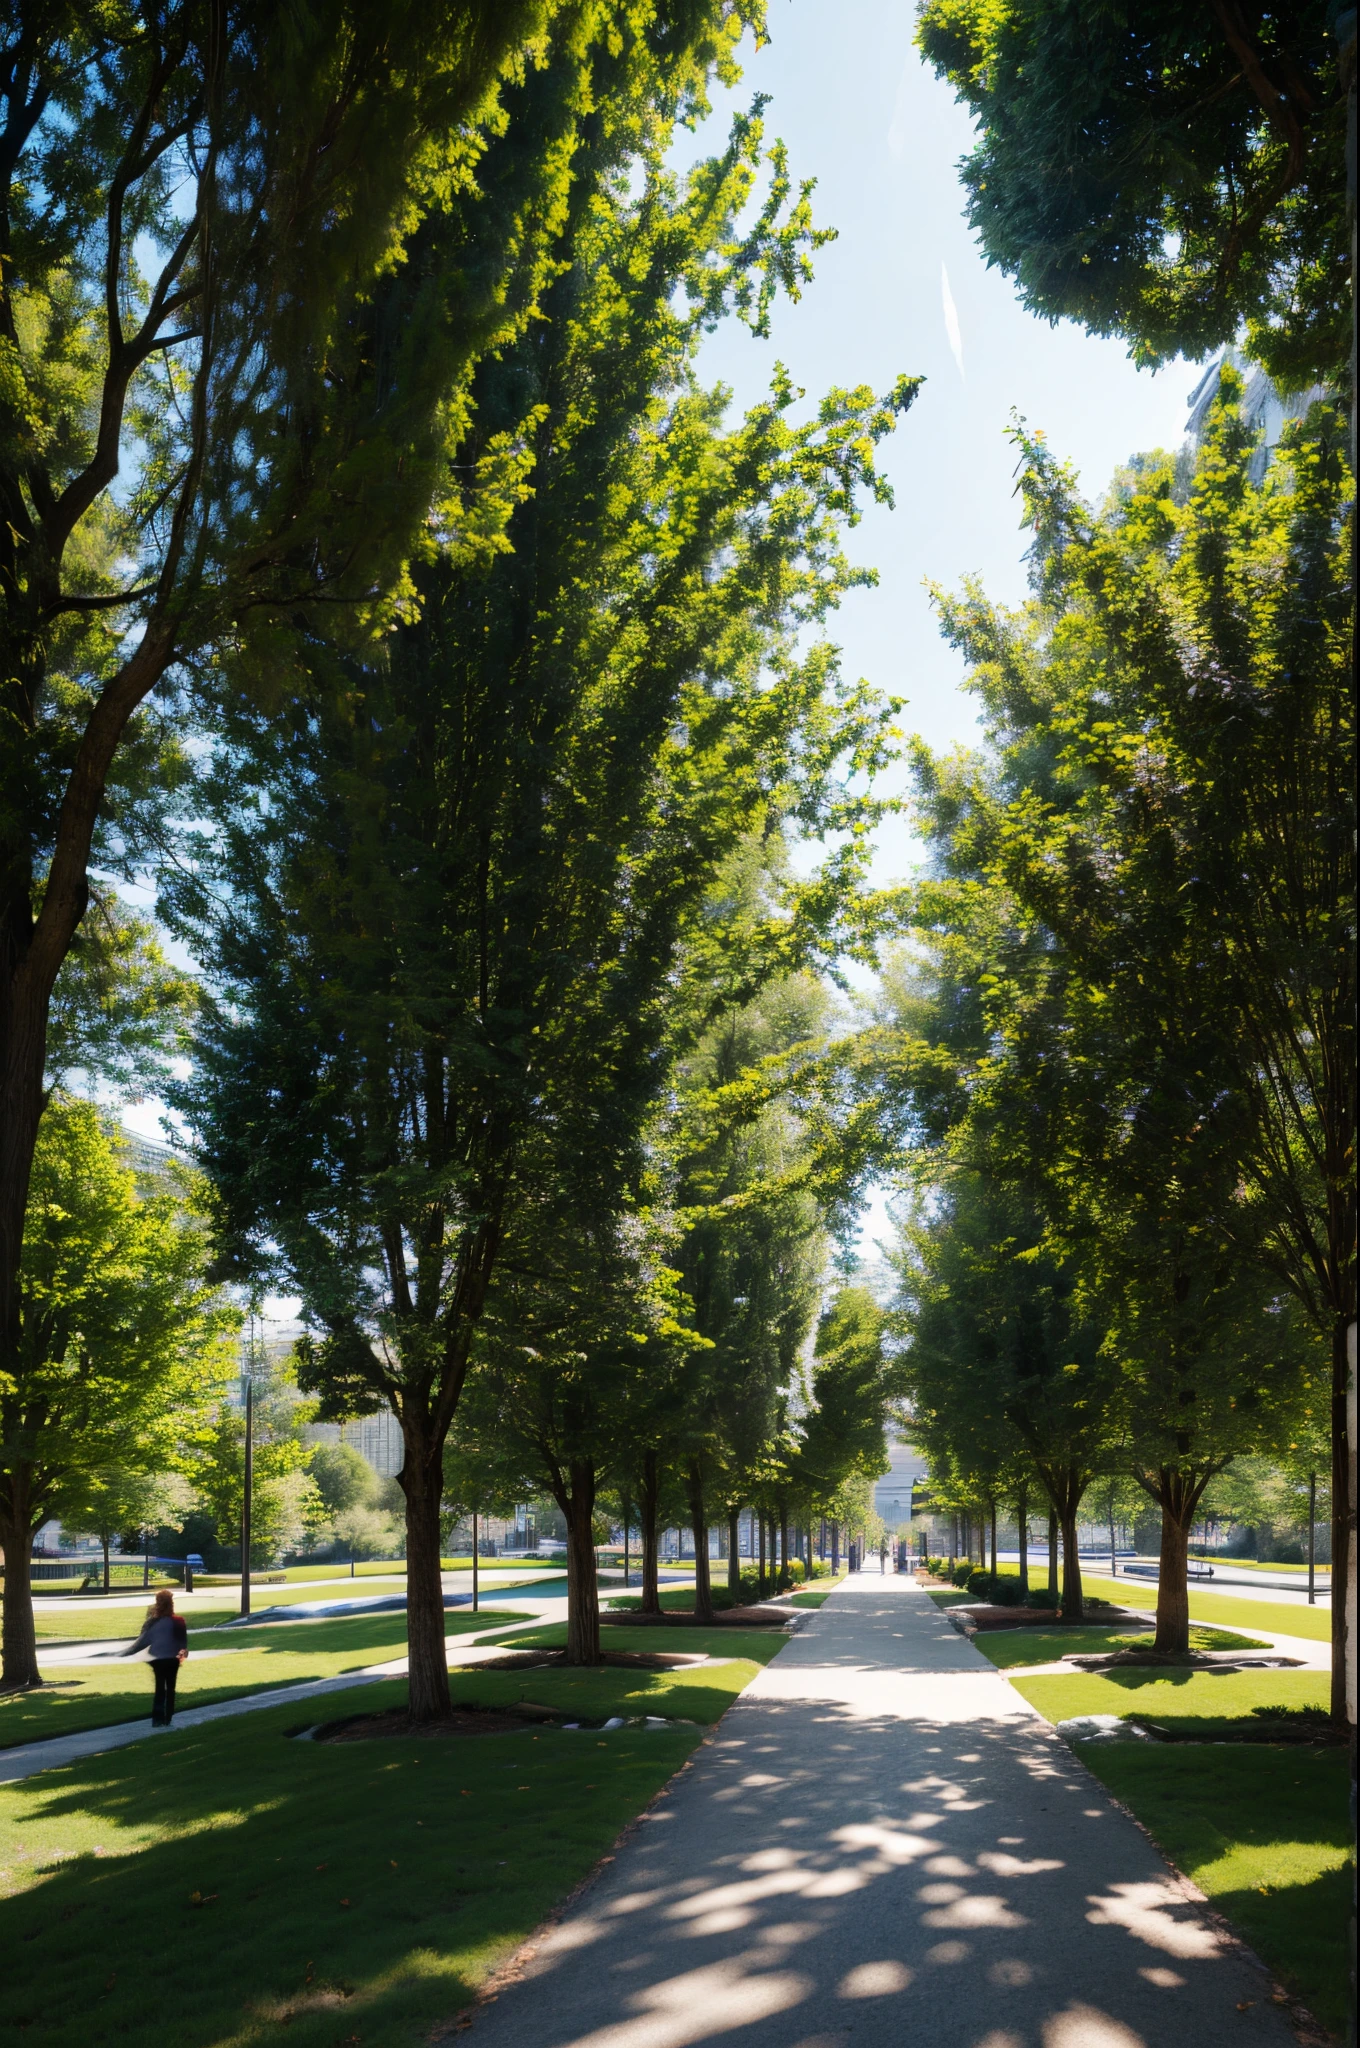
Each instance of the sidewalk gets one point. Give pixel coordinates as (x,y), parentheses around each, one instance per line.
(882,1844)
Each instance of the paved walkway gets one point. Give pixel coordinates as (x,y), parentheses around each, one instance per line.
(881,1844)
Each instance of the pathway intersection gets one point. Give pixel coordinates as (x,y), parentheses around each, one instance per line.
(881,1843)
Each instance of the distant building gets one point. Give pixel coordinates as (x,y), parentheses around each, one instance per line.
(893,1492)
(1263,407)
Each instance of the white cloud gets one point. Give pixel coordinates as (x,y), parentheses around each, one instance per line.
(951,320)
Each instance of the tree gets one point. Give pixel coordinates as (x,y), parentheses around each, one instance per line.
(852,1384)
(1174,721)
(122,1340)
(1165,175)
(115,1501)
(286,1507)
(456,918)
(248,260)
(752,1243)
(1000,1354)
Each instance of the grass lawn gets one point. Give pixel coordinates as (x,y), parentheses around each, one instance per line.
(1197,1703)
(1264,1832)
(283,1653)
(1285,1617)
(700,1692)
(1010,1647)
(359,1892)
(812,1597)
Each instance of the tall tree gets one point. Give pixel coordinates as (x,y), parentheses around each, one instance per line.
(248,259)
(455,920)
(121,1339)
(1164,174)
(999,1350)
(1173,718)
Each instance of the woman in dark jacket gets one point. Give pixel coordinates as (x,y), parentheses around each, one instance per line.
(165,1634)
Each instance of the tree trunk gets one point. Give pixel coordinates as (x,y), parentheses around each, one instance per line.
(20,1637)
(1178,1495)
(421,1481)
(1073,1608)
(785,1581)
(1053,1556)
(734,1553)
(761,1587)
(1023,1527)
(1173,1592)
(583,1592)
(698,1521)
(1343,1697)
(994,1550)
(108,1575)
(648,1497)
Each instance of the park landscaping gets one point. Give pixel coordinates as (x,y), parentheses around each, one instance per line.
(349,1892)
(232,1661)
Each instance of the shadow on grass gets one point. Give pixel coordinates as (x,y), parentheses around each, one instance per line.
(355,1892)
(1264,1832)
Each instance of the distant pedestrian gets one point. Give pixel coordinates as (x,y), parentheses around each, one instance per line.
(166,1635)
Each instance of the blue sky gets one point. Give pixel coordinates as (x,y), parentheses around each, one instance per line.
(862,115)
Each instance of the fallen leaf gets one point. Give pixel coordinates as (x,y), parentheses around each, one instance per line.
(322,1866)
(344,1902)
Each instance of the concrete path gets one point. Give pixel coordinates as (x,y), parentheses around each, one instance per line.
(881,1845)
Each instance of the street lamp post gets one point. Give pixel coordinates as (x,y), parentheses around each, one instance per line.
(245,1496)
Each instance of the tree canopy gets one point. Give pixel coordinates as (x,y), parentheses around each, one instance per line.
(1168,174)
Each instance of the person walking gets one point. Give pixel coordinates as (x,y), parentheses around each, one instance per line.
(166,1635)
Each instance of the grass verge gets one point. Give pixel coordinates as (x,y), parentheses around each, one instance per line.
(83,1696)
(1286,1618)
(351,1893)
(1264,1833)
(1201,1704)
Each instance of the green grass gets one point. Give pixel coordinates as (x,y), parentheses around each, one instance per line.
(98,1695)
(1201,1704)
(1286,1618)
(813,1597)
(1264,1832)
(742,1651)
(437,1858)
(1010,1647)
(675,1600)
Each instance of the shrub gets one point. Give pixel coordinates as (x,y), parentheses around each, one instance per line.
(1039,1596)
(962,1572)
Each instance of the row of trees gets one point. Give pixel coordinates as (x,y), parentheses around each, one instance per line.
(1127,1029)
(491,683)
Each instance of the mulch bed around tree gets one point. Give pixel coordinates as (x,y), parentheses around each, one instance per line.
(766,1616)
(1046,1617)
(462,1721)
(1266,1724)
